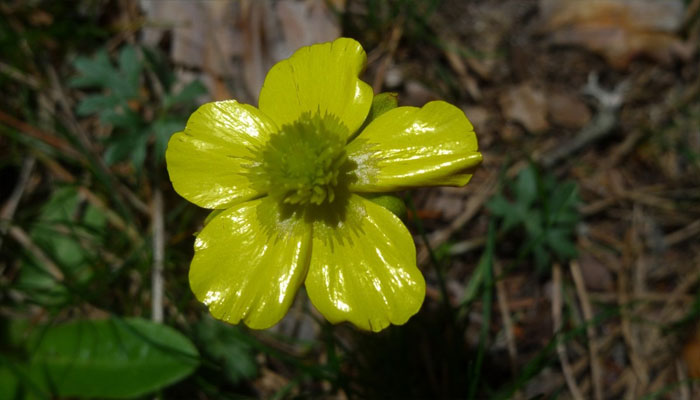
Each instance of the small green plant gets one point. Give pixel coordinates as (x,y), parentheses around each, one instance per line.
(121,91)
(544,211)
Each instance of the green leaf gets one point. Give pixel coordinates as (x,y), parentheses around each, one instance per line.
(125,119)
(532,220)
(130,68)
(526,186)
(186,96)
(542,258)
(111,358)
(392,203)
(498,205)
(95,71)
(65,249)
(162,130)
(127,146)
(558,240)
(512,214)
(562,202)
(123,84)
(224,343)
(381,103)
(213,215)
(96,103)
(9,384)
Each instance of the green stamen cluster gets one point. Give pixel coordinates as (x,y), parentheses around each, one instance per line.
(302,163)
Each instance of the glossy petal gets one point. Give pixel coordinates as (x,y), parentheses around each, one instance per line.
(249,263)
(363,269)
(207,162)
(322,77)
(409,147)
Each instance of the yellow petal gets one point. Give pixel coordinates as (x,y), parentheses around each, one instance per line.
(249,263)
(207,162)
(363,269)
(320,78)
(408,147)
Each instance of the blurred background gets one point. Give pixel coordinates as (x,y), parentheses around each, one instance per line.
(568,268)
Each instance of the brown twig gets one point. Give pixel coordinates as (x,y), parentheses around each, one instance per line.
(502,297)
(454,58)
(650,297)
(682,234)
(25,241)
(52,140)
(158,256)
(472,207)
(557,321)
(596,372)
(10,206)
(19,76)
(113,218)
(83,138)
(600,126)
(639,367)
(682,376)
(392,45)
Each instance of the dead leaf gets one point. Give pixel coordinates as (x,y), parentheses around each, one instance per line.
(596,276)
(478,116)
(691,355)
(305,23)
(618,30)
(527,105)
(417,94)
(203,33)
(448,205)
(567,110)
(235,43)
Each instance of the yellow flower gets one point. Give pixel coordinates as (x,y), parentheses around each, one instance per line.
(288,182)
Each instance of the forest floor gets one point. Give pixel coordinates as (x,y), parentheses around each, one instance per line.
(569,267)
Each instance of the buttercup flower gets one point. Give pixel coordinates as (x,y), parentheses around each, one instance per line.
(289,183)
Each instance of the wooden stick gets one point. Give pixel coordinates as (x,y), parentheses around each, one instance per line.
(158,256)
(596,372)
(561,348)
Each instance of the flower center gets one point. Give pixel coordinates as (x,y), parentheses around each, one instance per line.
(305,161)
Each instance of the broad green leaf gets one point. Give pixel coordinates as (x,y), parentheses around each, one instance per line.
(9,384)
(111,358)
